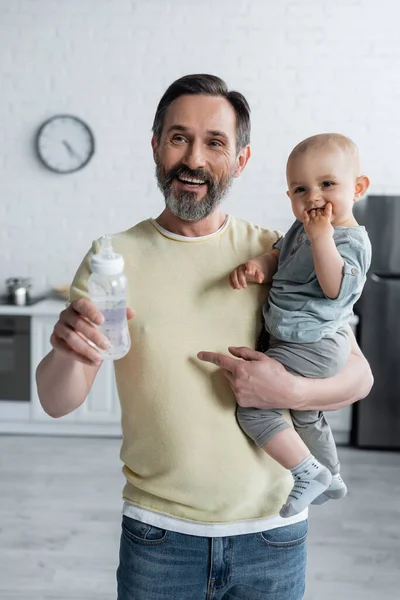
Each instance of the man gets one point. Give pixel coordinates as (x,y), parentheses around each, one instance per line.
(201,500)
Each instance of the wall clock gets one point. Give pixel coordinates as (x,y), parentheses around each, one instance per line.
(64,144)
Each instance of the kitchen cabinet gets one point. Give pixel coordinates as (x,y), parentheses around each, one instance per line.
(341,423)
(98,415)
(101,405)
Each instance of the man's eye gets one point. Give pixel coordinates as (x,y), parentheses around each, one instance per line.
(178,138)
(327,184)
(299,190)
(215,143)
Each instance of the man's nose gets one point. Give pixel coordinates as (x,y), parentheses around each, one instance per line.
(194,157)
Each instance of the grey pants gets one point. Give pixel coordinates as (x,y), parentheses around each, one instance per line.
(314,360)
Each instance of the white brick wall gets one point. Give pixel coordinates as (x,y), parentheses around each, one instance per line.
(306,66)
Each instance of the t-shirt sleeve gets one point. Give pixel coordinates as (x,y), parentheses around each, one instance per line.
(356,262)
(79,285)
(267,240)
(289,237)
(278,244)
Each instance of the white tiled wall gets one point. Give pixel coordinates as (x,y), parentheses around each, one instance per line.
(306,66)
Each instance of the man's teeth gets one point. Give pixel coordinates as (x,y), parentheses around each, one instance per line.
(191,180)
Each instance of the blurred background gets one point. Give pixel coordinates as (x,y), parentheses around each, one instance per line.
(305,67)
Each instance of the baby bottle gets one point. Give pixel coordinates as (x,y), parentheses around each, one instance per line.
(107,290)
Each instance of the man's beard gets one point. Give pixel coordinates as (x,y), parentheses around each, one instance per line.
(185,204)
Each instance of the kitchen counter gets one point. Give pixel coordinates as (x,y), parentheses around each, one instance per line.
(100,414)
(53,306)
(48,306)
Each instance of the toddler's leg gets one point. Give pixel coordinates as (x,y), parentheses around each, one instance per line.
(270,431)
(311,478)
(336,491)
(316,433)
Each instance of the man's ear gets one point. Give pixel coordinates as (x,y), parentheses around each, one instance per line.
(154,145)
(362,185)
(241,160)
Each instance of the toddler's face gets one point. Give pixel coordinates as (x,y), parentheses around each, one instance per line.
(321,175)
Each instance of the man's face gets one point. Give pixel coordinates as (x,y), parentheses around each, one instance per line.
(196,155)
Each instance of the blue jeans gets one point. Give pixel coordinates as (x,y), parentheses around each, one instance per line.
(162,565)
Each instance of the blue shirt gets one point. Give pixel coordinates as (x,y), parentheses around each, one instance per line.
(297,309)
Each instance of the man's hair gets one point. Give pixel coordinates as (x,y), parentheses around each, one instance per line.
(206,85)
(323,140)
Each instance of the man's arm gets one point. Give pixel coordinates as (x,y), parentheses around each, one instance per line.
(63,383)
(351,384)
(262,382)
(65,376)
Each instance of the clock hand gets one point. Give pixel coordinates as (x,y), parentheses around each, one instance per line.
(68,147)
(71,151)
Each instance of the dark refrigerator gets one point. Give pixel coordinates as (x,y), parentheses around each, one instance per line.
(376,422)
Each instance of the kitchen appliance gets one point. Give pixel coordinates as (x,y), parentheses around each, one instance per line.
(377,418)
(30,301)
(15,357)
(18,290)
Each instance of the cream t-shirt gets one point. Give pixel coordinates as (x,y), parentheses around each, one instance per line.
(185,456)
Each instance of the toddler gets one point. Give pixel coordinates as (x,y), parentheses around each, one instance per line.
(318,270)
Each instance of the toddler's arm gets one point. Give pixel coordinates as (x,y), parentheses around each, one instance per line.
(327,260)
(260,269)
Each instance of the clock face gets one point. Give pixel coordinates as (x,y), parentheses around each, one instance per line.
(64,144)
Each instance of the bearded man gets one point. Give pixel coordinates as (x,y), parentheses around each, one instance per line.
(201,500)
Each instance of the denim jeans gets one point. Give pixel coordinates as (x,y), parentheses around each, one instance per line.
(156,564)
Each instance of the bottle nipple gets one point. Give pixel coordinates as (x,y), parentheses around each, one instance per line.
(106,248)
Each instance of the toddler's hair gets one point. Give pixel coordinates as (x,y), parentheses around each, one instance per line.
(322,140)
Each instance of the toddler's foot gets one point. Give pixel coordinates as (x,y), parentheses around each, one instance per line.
(311,479)
(335,491)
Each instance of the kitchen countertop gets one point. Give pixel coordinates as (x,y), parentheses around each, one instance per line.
(48,306)
(53,306)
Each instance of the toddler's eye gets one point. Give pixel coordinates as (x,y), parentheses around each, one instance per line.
(327,184)
(299,190)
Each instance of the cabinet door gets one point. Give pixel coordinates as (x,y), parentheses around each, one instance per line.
(102,404)
(41,330)
(340,422)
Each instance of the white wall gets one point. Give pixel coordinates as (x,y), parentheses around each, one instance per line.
(306,66)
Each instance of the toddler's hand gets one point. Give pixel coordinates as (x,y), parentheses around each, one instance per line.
(248,272)
(317,223)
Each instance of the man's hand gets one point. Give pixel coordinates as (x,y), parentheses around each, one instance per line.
(76,330)
(317,223)
(248,272)
(260,381)
(255,379)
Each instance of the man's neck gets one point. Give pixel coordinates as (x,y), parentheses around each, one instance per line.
(206,226)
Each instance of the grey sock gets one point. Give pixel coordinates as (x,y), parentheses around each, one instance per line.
(311,479)
(336,491)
